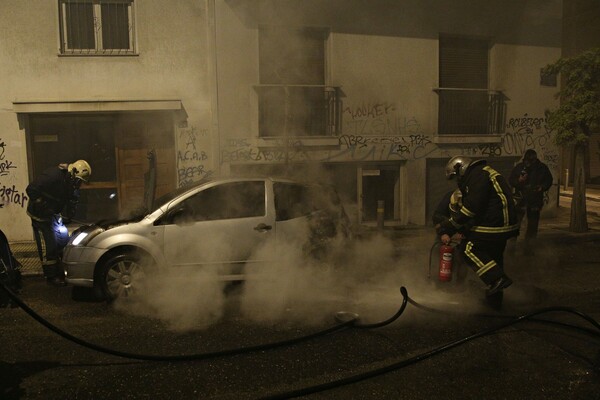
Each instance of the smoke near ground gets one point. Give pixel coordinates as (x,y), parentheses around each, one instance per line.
(361,276)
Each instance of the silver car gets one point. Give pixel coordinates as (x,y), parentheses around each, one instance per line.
(218,223)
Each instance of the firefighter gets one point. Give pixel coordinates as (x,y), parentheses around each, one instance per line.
(53,198)
(487,219)
(530,180)
(448,206)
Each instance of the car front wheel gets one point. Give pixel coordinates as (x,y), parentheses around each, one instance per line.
(122,275)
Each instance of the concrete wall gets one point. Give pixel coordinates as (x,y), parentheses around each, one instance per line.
(173,62)
(389,105)
(208,58)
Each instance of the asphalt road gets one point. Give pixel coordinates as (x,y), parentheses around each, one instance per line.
(528,360)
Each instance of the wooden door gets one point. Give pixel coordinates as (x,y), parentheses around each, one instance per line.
(136,137)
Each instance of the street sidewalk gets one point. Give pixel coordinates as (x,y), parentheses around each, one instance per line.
(591,193)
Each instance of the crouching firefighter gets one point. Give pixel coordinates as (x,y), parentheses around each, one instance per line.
(487,219)
(54,195)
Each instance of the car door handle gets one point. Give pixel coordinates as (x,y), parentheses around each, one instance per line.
(263,227)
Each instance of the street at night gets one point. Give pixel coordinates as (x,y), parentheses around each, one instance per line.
(320,199)
(533,360)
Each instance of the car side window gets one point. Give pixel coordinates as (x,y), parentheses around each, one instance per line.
(227,201)
(291,201)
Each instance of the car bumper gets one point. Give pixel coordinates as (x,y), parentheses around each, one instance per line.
(79,264)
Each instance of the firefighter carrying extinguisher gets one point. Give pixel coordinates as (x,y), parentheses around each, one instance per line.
(487,219)
(54,195)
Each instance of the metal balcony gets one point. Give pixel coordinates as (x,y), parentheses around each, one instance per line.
(470,111)
(298,110)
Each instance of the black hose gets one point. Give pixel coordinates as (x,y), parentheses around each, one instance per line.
(350,323)
(423,356)
(389,320)
(565,309)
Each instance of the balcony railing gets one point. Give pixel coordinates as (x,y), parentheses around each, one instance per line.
(298,110)
(471,111)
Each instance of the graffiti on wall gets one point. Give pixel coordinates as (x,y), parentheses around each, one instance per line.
(373,131)
(378,118)
(241,150)
(363,148)
(522,133)
(377,131)
(192,160)
(9,193)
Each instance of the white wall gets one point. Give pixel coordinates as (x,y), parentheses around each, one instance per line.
(386,75)
(174,54)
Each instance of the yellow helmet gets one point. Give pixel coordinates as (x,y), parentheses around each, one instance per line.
(80,169)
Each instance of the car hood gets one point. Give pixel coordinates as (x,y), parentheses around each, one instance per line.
(107,224)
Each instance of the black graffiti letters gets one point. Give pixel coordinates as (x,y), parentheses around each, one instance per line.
(10,194)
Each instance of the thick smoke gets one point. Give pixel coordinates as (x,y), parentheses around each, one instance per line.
(362,276)
(293,283)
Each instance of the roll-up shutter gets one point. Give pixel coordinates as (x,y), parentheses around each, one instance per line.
(463,63)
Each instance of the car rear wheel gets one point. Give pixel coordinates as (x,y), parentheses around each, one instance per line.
(122,275)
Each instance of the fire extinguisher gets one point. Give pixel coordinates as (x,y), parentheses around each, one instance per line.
(446,257)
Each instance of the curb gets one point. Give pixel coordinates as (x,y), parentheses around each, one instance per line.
(587,197)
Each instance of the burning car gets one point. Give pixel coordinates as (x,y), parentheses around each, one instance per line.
(216,223)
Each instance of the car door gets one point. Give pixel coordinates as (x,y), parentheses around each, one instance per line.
(222,225)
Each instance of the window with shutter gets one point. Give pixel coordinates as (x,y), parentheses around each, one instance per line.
(464,100)
(293,97)
(96,27)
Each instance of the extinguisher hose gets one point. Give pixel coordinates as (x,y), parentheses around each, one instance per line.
(433,246)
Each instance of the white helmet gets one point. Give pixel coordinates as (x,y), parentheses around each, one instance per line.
(457,166)
(80,169)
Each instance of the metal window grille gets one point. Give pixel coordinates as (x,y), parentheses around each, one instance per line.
(97,27)
(471,111)
(298,110)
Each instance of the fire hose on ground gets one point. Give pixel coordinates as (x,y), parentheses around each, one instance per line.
(347,320)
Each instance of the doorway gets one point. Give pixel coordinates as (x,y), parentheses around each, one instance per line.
(116,145)
(378,183)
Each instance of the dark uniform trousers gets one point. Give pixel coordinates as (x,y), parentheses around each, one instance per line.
(45,234)
(485,257)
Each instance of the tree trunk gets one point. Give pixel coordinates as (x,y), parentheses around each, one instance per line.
(578,221)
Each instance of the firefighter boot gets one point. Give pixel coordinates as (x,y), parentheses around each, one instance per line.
(500,284)
(54,275)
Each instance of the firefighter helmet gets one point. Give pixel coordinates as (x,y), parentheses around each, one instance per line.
(457,166)
(80,169)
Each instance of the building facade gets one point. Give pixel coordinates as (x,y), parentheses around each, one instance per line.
(372,98)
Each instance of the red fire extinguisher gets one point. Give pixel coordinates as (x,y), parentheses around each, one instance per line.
(446,256)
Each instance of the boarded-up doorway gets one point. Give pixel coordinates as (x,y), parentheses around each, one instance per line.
(137,135)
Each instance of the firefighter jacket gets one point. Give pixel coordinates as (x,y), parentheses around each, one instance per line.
(488,210)
(53,192)
(538,180)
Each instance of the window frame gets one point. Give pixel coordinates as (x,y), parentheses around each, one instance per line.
(299,103)
(98,49)
(253,206)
